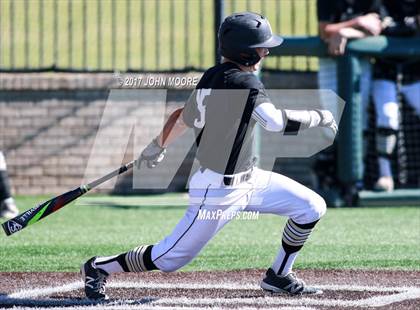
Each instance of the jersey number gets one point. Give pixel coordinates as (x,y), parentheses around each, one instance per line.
(201,94)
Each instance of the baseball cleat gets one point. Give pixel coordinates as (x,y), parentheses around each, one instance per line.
(384,184)
(95,280)
(288,284)
(8,209)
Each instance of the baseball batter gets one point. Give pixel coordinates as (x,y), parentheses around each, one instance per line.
(229,101)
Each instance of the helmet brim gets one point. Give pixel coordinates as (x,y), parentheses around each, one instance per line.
(272,42)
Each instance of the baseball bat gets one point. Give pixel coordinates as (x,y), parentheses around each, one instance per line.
(44,209)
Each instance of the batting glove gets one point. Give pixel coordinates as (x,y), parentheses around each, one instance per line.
(327,120)
(152,154)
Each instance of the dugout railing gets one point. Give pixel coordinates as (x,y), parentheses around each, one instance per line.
(350,138)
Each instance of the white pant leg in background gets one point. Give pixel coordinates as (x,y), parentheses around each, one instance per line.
(411,94)
(386,106)
(277,194)
(386,101)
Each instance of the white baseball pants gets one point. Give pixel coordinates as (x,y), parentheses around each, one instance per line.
(386,102)
(264,192)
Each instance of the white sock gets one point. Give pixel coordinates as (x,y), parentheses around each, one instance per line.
(109,264)
(288,265)
(294,237)
(9,201)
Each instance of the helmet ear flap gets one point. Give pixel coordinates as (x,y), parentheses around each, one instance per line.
(249,59)
(225,32)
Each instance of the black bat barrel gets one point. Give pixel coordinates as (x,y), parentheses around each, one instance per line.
(37,213)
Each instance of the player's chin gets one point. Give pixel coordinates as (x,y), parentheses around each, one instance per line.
(257,66)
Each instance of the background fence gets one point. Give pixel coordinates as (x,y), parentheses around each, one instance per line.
(134,35)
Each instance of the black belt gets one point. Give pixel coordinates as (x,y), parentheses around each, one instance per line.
(233,180)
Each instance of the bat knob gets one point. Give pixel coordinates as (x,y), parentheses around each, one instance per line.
(10,227)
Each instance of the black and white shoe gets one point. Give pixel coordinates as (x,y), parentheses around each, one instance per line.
(289,284)
(8,209)
(95,280)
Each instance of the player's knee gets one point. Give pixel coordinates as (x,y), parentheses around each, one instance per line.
(313,207)
(316,208)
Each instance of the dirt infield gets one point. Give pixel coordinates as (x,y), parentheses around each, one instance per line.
(234,289)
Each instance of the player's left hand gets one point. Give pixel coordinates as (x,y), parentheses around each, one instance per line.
(153,154)
(327,120)
(337,44)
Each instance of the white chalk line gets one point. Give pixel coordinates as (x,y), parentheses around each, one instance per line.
(278,301)
(145,303)
(247,286)
(36,292)
(401,294)
(143,307)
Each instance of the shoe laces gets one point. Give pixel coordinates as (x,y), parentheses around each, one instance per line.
(297,280)
(100,282)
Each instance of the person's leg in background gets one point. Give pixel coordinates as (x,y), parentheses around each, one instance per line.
(327,80)
(387,125)
(365,89)
(8,207)
(411,94)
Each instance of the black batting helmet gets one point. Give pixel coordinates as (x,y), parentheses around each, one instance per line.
(241,33)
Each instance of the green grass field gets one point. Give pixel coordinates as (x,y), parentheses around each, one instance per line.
(25,25)
(372,238)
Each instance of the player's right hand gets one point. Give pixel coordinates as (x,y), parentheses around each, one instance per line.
(153,154)
(370,23)
(327,120)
